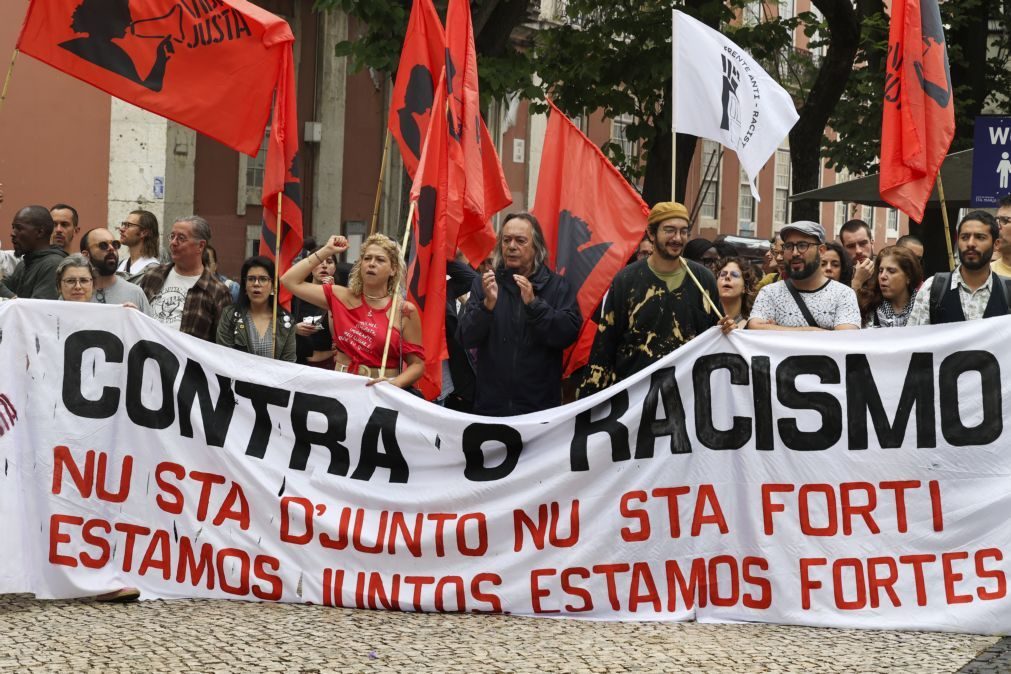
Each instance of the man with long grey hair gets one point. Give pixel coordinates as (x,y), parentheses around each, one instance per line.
(184,294)
(520,317)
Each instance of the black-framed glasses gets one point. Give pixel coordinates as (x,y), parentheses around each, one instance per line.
(128,225)
(258,280)
(1003,220)
(710,261)
(104,246)
(801,247)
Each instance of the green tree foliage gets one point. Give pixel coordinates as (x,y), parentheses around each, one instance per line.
(615,56)
(978,51)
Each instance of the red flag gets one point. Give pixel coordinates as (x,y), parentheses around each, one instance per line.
(918,123)
(477,167)
(426,271)
(591,217)
(279,178)
(421,61)
(209,66)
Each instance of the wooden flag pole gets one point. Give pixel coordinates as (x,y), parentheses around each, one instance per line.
(947,228)
(278,240)
(7,80)
(709,300)
(396,294)
(379,187)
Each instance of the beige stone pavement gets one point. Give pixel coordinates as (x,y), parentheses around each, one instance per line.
(223,636)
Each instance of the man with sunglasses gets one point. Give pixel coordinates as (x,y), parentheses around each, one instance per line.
(807,300)
(100,247)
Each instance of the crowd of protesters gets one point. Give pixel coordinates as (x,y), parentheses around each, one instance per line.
(509,322)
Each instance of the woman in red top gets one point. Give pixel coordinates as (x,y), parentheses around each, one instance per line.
(361,313)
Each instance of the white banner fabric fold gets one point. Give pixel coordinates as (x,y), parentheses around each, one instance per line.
(723,94)
(852,479)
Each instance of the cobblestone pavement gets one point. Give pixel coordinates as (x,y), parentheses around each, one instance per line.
(213,636)
(994,660)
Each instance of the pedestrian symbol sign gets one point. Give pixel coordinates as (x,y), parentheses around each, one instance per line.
(991,160)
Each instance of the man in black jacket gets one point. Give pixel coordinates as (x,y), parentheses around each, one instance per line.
(35,275)
(520,317)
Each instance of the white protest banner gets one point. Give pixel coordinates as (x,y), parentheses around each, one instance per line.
(721,93)
(852,479)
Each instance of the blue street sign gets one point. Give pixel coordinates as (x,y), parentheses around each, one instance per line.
(991,160)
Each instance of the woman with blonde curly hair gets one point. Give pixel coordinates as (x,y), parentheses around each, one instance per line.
(361,312)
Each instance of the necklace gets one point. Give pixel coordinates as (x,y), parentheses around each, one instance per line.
(373,297)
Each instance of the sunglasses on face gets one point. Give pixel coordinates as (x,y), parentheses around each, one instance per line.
(104,246)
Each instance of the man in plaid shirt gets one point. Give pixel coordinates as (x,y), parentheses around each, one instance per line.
(185,295)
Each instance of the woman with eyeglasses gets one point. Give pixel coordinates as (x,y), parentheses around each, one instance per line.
(75,279)
(248,324)
(736,281)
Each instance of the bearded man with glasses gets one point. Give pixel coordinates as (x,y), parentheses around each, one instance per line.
(807,300)
(102,249)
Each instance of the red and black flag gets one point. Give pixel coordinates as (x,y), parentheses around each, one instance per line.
(592,219)
(421,62)
(210,66)
(474,162)
(918,122)
(280,180)
(426,270)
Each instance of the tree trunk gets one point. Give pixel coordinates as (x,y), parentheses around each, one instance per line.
(806,135)
(494,23)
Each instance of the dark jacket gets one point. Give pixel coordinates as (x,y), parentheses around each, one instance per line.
(35,275)
(519,347)
(233,331)
(461,367)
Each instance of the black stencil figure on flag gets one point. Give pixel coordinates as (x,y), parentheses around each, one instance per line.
(934,51)
(417,105)
(421,240)
(104,22)
(731,104)
(293,193)
(575,259)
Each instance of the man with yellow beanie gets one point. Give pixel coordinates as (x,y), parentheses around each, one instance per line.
(653,306)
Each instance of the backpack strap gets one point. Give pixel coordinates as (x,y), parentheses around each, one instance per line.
(937,289)
(801,304)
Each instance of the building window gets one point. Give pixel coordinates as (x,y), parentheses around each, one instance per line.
(892,224)
(710,180)
(781,205)
(619,136)
(254,172)
(746,207)
(752,13)
(787,9)
(840,214)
